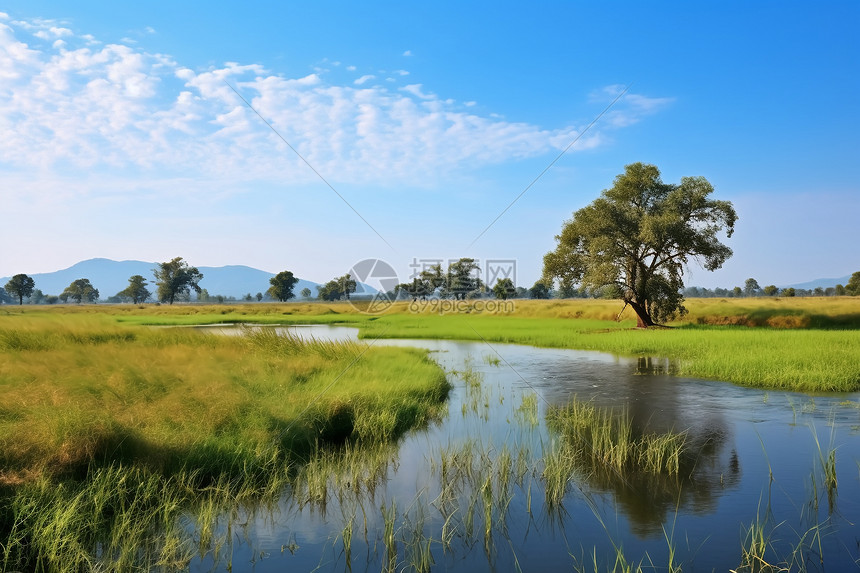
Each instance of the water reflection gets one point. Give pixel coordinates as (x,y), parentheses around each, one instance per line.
(471,493)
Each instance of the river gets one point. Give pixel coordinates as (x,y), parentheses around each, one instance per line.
(761,470)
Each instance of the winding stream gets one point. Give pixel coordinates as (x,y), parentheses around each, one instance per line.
(762,459)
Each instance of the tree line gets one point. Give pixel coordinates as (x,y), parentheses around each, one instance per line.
(174,282)
(175,279)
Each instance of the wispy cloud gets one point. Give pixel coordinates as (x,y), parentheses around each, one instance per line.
(79,106)
(632,108)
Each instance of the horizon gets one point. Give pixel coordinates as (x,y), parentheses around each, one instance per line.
(421,133)
(795,284)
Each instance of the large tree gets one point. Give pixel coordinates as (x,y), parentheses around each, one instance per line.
(136,289)
(80,290)
(639,236)
(175,278)
(282,286)
(20,286)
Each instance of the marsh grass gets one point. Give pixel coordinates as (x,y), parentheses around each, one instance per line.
(109,433)
(606,438)
(801,344)
(827,467)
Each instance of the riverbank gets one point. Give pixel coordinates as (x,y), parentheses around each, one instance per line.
(802,344)
(110,433)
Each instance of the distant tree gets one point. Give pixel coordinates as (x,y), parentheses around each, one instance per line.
(136,290)
(504,289)
(175,278)
(418,288)
(306,292)
(38,297)
(818,291)
(346,285)
(640,235)
(737,291)
(259,297)
(52,299)
(248,297)
(751,287)
(567,290)
(203,296)
(539,290)
(788,292)
(337,288)
(839,290)
(81,290)
(853,286)
(282,286)
(462,280)
(20,286)
(770,290)
(4,297)
(63,297)
(522,292)
(329,291)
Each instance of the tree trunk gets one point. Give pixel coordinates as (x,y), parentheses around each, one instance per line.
(643,319)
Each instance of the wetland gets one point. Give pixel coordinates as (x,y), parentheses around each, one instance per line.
(329,448)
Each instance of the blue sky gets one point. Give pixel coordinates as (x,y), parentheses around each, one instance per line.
(121,137)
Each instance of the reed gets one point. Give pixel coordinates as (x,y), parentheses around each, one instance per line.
(605,438)
(108,433)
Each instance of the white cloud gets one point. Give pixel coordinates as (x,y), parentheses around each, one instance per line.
(415,89)
(630,108)
(103,110)
(407,53)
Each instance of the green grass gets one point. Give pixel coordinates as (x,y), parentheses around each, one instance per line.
(108,433)
(800,344)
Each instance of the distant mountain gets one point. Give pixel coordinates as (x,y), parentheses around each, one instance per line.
(823,283)
(110,277)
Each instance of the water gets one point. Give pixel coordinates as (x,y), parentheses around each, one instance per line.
(757,462)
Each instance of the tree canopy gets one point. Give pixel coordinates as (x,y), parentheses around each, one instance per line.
(463,280)
(80,290)
(282,286)
(136,290)
(639,236)
(175,278)
(337,288)
(20,286)
(852,288)
(539,290)
(504,289)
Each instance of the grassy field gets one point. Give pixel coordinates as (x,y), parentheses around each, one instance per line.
(109,432)
(803,344)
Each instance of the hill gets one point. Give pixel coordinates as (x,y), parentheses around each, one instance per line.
(111,276)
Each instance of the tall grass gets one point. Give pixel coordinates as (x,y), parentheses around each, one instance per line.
(801,344)
(606,438)
(107,433)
